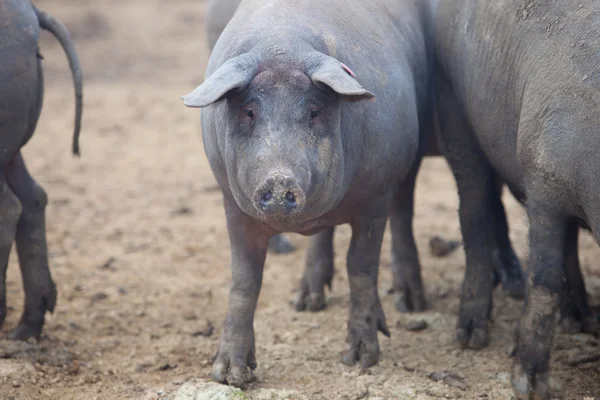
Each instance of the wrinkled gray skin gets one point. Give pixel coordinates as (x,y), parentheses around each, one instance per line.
(22,200)
(519,99)
(408,284)
(218,14)
(298,145)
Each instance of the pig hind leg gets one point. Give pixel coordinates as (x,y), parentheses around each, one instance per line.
(576,314)
(318,272)
(507,268)
(479,204)
(548,234)
(10,211)
(40,290)
(406,269)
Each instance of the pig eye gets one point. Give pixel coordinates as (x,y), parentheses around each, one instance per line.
(249,114)
(314,114)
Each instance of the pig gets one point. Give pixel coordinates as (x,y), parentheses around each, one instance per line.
(407,283)
(218,14)
(518,100)
(313,115)
(22,200)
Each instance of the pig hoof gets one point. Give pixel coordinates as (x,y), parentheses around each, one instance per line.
(280,245)
(408,301)
(26,330)
(509,273)
(230,371)
(570,324)
(31,324)
(529,386)
(473,323)
(513,284)
(475,339)
(362,336)
(312,302)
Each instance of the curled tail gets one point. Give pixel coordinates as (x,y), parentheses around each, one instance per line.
(47,22)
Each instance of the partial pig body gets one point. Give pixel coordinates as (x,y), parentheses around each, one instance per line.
(298,144)
(22,200)
(518,100)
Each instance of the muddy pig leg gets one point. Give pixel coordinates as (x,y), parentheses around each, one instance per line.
(40,291)
(10,211)
(545,283)
(576,314)
(478,198)
(318,272)
(366,313)
(406,269)
(507,268)
(235,359)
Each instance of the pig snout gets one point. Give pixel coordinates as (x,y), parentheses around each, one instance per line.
(279,195)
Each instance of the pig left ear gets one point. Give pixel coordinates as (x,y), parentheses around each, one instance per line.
(339,78)
(234,74)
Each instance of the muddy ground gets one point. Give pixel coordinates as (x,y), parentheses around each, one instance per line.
(139,248)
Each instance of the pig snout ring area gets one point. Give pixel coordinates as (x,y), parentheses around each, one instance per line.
(279,195)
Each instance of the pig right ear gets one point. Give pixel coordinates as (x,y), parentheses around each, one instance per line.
(340,78)
(235,74)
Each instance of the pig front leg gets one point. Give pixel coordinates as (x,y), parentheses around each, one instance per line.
(235,359)
(366,314)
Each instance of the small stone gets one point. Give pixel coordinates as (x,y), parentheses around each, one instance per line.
(99,297)
(184,210)
(415,325)
(440,247)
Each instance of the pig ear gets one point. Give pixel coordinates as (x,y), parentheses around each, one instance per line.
(340,78)
(235,74)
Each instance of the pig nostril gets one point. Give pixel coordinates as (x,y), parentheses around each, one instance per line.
(290,197)
(266,197)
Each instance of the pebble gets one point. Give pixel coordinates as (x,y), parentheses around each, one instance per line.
(415,325)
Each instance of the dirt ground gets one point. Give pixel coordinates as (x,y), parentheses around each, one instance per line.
(140,255)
